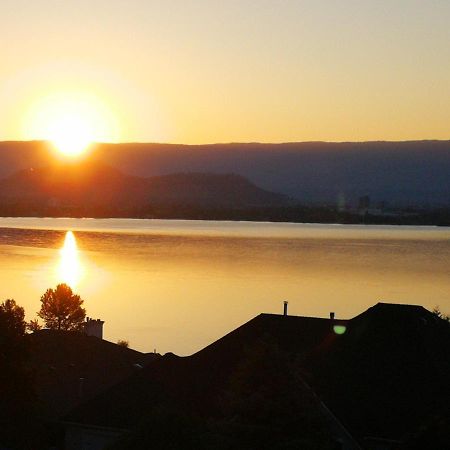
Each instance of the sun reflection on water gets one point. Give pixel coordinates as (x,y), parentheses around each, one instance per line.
(70,268)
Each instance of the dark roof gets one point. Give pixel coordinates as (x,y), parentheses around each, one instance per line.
(395,311)
(303,336)
(389,373)
(60,358)
(195,381)
(383,377)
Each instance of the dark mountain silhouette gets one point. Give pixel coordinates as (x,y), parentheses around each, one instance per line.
(89,184)
(92,185)
(401,173)
(227,190)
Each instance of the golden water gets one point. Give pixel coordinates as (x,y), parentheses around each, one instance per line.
(179,285)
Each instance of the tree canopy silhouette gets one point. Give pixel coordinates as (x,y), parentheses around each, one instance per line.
(61,309)
(16,382)
(13,317)
(12,330)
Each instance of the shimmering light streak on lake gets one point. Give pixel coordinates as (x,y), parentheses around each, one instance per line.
(69,268)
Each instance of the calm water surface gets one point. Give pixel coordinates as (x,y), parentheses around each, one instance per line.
(179,285)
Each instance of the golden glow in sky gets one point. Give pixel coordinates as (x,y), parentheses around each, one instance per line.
(70,269)
(71,121)
(212,71)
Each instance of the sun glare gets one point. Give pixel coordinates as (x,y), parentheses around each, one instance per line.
(69,269)
(71,122)
(70,134)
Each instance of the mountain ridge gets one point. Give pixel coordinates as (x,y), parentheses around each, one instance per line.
(88,184)
(402,173)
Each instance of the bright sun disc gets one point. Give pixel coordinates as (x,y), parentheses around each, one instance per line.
(71,121)
(70,135)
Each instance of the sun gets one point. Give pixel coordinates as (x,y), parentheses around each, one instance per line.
(71,121)
(70,134)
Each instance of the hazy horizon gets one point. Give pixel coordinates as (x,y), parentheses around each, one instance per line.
(94,143)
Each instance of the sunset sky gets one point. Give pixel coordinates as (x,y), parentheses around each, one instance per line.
(215,71)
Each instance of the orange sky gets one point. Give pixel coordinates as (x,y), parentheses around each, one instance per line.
(214,71)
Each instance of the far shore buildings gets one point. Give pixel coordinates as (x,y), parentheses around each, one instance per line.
(372,382)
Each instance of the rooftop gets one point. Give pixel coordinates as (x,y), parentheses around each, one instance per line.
(61,359)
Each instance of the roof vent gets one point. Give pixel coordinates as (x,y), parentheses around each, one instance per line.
(285,307)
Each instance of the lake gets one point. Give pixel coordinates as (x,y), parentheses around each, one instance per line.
(177,286)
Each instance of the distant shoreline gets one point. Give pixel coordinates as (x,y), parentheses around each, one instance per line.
(439,217)
(225,228)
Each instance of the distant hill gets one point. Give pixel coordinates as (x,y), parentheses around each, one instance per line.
(96,187)
(401,173)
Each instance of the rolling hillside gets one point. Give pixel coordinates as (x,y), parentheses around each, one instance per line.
(401,173)
(94,187)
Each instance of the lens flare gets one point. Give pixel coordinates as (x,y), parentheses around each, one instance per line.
(339,329)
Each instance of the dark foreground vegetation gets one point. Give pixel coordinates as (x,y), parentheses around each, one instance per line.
(22,423)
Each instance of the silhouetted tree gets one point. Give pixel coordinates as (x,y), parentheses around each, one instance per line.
(16,384)
(437,312)
(123,343)
(13,317)
(61,309)
(12,329)
(33,325)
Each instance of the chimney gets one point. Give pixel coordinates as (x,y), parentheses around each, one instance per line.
(285,306)
(331,315)
(94,327)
